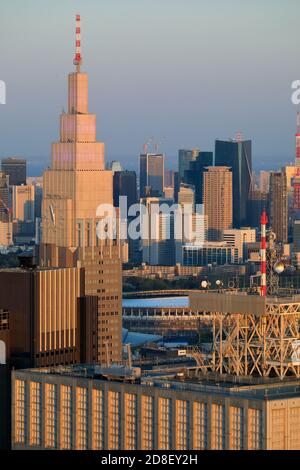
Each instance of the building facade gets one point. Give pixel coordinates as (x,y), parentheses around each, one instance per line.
(77,192)
(152,172)
(217,201)
(75,409)
(237,155)
(279,205)
(15,169)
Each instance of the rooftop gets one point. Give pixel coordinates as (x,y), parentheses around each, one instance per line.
(181,380)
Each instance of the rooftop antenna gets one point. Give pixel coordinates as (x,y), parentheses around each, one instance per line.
(263,256)
(77,58)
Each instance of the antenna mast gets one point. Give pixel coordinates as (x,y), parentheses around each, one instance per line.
(78,59)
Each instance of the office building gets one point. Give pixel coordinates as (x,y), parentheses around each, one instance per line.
(157,230)
(23,198)
(184,159)
(15,169)
(169,178)
(279,205)
(239,238)
(76,192)
(23,213)
(76,408)
(152,175)
(236,154)
(218,201)
(264,181)
(4,197)
(186,196)
(257,203)
(124,184)
(209,253)
(194,175)
(50,321)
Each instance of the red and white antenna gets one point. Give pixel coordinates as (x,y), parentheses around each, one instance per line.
(78,59)
(263,255)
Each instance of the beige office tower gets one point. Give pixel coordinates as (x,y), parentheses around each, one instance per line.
(218,200)
(75,187)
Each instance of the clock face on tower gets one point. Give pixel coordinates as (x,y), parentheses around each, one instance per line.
(52,213)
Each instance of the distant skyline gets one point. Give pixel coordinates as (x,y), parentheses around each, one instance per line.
(184,73)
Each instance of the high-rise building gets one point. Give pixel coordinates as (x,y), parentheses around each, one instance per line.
(186,195)
(124,184)
(279,205)
(184,159)
(15,169)
(76,193)
(218,200)
(157,229)
(23,212)
(264,181)
(194,175)
(237,155)
(169,178)
(4,198)
(258,201)
(23,203)
(152,174)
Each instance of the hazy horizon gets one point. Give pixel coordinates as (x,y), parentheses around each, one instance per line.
(183,72)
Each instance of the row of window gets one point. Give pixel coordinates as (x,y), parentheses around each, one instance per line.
(73,423)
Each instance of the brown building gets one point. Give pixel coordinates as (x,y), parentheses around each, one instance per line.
(217,200)
(73,191)
(279,205)
(45,318)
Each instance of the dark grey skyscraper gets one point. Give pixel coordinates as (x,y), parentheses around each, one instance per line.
(194,175)
(15,168)
(152,174)
(236,154)
(124,183)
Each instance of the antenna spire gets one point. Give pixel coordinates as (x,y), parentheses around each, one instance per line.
(298,122)
(77,58)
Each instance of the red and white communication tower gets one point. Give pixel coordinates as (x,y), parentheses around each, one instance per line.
(263,255)
(78,59)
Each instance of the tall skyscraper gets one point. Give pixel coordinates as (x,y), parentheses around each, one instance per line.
(15,168)
(74,189)
(218,201)
(184,159)
(237,155)
(296,179)
(152,174)
(279,205)
(194,175)
(124,184)
(4,209)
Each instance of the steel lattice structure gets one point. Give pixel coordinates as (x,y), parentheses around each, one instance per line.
(264,345)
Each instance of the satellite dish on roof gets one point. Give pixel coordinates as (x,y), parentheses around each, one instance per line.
(279,267)
(205,284)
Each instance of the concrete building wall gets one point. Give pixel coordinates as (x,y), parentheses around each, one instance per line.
(57,411)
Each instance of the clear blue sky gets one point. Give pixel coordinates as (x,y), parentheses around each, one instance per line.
(186,71)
